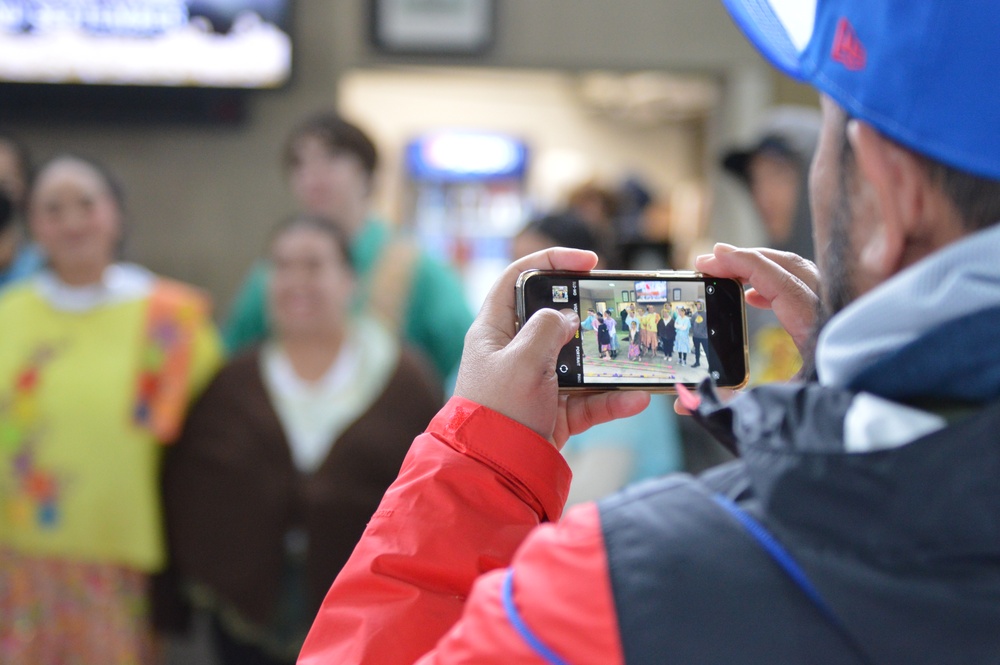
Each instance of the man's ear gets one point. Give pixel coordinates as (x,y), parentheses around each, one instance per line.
(895,182)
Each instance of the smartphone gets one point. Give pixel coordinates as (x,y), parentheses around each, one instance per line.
(643,330)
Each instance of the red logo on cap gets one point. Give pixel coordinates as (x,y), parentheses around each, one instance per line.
(847,48)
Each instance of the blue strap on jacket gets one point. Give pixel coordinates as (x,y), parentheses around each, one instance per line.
(778,554)
(789,565)
(755,529)
(532,640)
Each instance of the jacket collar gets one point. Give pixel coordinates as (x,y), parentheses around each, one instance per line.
(954,282)
(933,500)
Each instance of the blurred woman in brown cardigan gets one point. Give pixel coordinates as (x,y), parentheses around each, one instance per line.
(287,454)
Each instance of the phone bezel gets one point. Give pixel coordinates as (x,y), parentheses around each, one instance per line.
(522,286)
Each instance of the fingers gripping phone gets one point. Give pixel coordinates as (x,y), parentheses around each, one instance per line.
(643,330)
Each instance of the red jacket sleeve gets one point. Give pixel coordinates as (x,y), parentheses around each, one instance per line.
(472,488)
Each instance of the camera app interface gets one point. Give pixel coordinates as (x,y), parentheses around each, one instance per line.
(635,332)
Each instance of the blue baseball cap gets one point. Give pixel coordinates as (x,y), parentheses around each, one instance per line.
(922,72)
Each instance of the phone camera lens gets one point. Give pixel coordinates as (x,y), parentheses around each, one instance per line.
(709,289)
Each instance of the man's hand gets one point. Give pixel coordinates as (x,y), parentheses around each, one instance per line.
(783,282)
(516,376)
(780,281)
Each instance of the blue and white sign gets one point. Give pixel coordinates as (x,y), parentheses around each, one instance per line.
(462,155)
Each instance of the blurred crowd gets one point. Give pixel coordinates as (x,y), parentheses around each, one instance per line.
(153,464)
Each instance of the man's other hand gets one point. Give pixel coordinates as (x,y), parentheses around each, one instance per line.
(783,282)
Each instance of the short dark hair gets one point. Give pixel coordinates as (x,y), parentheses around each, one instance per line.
(316,223)
(107,176)
(564,229)
(977,199)
(338,135)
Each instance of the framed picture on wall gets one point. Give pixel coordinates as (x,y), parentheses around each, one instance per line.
(632,296)
(432,27)
(625,297)
(677,294)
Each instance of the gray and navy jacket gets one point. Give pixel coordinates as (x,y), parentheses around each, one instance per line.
(859,525)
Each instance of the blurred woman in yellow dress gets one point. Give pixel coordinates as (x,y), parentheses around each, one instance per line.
(98,361)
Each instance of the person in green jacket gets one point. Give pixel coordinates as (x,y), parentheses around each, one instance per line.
(330,164)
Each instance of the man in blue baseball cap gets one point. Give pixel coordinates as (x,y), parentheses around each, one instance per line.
(861,523)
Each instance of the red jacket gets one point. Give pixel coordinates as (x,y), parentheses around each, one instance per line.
(425,583)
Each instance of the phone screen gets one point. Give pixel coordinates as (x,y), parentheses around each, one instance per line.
(644,330)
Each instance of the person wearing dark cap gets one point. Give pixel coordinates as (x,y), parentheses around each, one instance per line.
(861,524)
(775,170)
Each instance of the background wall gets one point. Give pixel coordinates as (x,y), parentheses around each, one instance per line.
(569,142)
(202,198)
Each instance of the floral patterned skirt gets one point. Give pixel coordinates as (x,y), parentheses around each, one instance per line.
(60,612)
